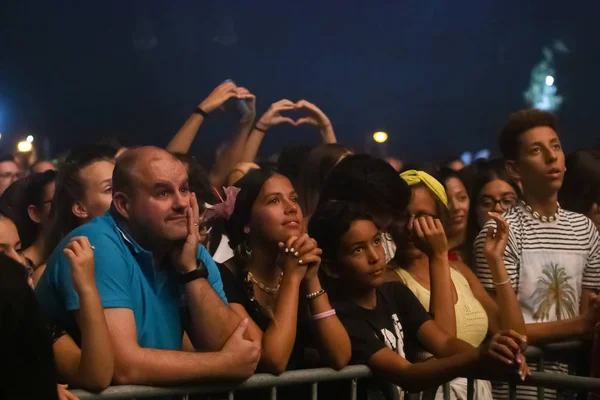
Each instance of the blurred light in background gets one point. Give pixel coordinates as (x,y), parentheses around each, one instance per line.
(549,80)
(30,139)
(24,146)
(380,137)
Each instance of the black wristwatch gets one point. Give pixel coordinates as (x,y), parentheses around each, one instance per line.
(201,272)
(199,110)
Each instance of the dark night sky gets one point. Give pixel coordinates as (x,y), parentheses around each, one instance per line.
(438,76)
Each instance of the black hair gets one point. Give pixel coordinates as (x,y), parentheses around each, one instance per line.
(291,159)
(368,181)
(581,186)
(33,195)
(483,172)
(321,160)
(70,188)
(250,186)
(197,179)
(330,221)
(114,143)
(25,342)
(519,123)
(430,168)
(11,198)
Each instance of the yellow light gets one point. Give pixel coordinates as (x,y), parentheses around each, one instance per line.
(380,137)
(24,146)
(0,135)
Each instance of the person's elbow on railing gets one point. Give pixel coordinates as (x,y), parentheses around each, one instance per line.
(237,360)
(90,367)
(332,340)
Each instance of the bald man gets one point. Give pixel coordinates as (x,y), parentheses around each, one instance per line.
(42,166)
(147,264)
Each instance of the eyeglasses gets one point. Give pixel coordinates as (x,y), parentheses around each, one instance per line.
(10,175)
(489,203)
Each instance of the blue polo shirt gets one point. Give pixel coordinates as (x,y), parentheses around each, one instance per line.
(126,278)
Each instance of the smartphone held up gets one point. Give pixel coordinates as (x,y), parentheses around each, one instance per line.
(241,107)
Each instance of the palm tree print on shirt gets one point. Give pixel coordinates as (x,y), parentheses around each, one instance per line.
(553,289)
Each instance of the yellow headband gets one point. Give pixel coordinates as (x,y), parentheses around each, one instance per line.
(413,177)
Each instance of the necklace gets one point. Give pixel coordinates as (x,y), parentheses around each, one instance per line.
(537,215)
(261,286)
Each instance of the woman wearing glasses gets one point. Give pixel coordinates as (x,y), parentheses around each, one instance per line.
(492,191)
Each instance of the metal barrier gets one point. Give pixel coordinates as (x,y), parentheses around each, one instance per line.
(258,381)
(351,373)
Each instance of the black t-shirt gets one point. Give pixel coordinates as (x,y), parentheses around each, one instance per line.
(393,323)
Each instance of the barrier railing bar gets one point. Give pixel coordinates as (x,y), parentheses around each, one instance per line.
(230,395)
(470,389)
(314,391)
(562,381)
(541,367)
(548,380)
(352,373)
(512,391)
(534,352)
(256,381)
(446,390)
(274,393)
(353,389)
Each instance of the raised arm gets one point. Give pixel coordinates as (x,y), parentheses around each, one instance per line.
(537,333)
(183,139)
(505,312)
(269,119)
(92,366)
(233,151)
(318,119)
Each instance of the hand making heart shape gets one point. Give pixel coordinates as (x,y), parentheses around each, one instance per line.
(314,115)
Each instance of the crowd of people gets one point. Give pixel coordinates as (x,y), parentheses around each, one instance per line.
(139,265)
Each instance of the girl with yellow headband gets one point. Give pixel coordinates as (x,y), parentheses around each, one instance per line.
(451,293)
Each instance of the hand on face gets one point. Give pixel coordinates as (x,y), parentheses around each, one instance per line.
(184,256)
(429,236)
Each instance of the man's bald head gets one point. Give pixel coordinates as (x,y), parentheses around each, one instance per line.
(42,166)
(131,165)
(151,193)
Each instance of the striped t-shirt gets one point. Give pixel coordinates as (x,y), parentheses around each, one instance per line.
(542,259)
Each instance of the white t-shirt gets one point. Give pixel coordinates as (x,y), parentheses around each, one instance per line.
(549,263)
